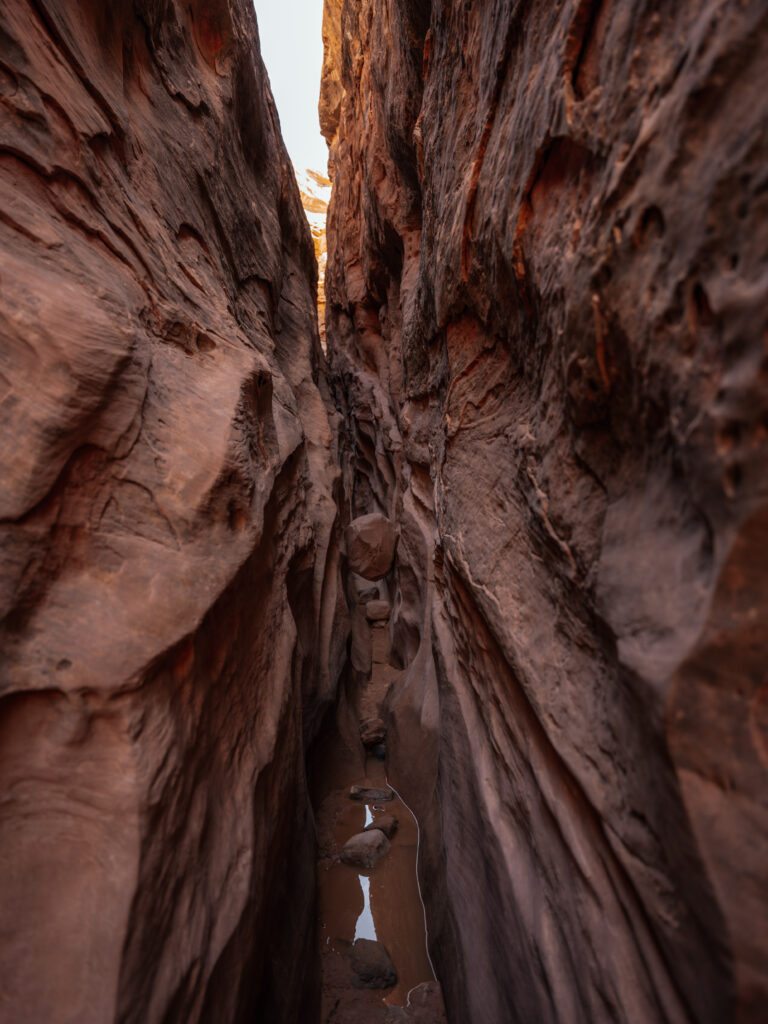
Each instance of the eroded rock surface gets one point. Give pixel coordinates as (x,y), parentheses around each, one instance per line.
(546,317)
(170,610)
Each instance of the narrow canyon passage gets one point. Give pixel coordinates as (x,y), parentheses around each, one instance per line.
(372,937)
(381,903)
(411,666)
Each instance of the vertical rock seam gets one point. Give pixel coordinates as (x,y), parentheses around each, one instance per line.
(172,625)
(546,323)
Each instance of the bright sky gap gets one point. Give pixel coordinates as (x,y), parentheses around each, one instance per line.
(292,48)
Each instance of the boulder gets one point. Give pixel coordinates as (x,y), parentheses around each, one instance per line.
(425,1006)
(372,965)
(365,849)
(372,731)
(386,823)
(371,544)
(371,795)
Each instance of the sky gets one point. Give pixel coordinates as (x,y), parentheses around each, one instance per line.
(292,48)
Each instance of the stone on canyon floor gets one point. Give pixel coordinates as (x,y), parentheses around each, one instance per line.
(425,1006)
(386,823)
(371,543)
(372,965)
(371,794)
(372,731)
(365,849)
(377,611)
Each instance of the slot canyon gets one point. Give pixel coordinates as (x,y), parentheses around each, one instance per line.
(409,664)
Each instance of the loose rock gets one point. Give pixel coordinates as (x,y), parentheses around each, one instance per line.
(372,731)
(386,823)
(425,1006)
(371,795)
(365,849)
(372,965)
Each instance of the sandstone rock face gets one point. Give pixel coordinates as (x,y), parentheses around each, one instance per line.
(371,541)
(171,621)
(315,189)
(546,317)
(377,611)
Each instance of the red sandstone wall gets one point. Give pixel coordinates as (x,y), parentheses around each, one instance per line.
(547,323)
(167,542)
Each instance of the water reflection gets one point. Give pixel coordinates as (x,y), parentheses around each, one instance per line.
(365,928)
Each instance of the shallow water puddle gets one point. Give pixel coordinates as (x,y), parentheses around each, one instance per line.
(365,927)
(383,904)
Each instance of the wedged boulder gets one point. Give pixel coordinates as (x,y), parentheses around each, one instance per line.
(371,794)
(372,965)
(377,610)
(365,849)
(372,731)
(386,823)
(371,544)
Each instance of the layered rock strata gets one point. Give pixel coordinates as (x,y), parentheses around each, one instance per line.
(546,316)
(171,623)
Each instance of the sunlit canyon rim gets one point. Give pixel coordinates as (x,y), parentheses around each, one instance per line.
(546,370)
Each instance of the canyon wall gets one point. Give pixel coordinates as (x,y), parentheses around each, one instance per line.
(172,627)
(546,323)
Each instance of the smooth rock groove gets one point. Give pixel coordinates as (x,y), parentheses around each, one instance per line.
(546,321)
(172,625)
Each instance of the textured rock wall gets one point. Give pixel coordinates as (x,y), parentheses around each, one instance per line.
(170,621)
(546,289)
